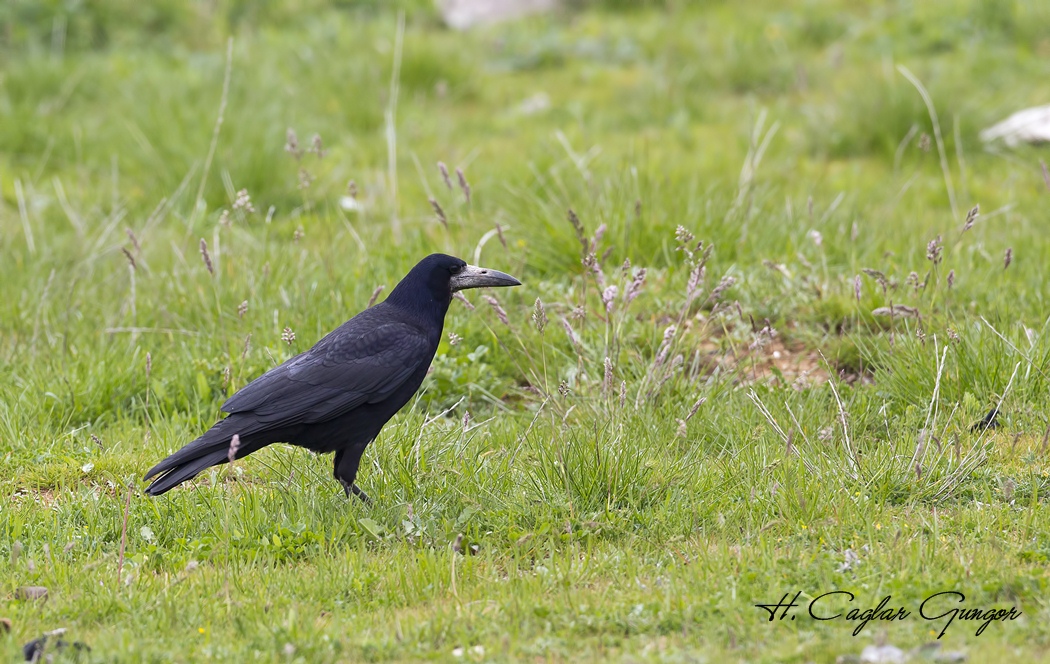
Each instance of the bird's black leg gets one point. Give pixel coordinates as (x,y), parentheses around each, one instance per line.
(346,463)
(354,489)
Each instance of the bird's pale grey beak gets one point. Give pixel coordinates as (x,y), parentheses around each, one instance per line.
(472,276)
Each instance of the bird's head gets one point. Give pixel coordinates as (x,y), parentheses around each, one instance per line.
(443,275)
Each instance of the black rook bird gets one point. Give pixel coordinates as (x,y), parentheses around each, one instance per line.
(336,396)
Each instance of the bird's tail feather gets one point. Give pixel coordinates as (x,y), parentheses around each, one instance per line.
(209,450)
(185,471)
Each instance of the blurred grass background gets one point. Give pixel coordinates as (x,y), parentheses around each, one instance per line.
(783,134)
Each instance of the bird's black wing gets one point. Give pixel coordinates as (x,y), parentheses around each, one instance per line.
(354,365)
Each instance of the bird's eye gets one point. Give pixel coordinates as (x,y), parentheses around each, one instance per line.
(455,269)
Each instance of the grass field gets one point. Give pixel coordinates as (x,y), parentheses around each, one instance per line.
(627,481)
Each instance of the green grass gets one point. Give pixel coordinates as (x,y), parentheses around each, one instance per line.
(604,527)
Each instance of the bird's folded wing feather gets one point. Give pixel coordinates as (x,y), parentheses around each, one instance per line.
(343,371)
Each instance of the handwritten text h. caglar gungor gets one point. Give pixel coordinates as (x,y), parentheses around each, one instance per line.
(819,608)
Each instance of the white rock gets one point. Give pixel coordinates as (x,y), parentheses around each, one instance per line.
(464,14)
(1032,125)
(350,204)
(886,654)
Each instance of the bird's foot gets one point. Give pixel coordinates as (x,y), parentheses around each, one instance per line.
(361,494)
(355,490)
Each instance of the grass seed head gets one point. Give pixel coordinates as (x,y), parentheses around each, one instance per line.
(913,281)
(696,276)
(235,444)
(206,257)
(439,212)
(539,316)
(879,277)
(609,298)
(317,146)
(776,267)
(288,336)
(291,144)
(581,236)
(934,248)
(684,237)
(572,335)
(665,345)
(635,287)
(725,284)
(242,309)
(375,295)
(897,311)
(494,303)
(1008,257)
(971,217)
(131,259)
(763,336)
(243,202)
(599,234)
(951,278)
(463,184)
(696,407)
(134,240)
(462,298)
(590,261)
(444,174)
